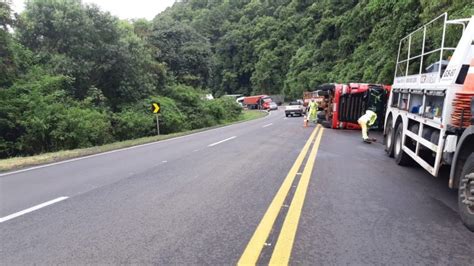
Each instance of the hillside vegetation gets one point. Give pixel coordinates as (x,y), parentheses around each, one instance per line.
(72,75)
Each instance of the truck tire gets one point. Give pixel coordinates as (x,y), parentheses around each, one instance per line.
(323,93)
(466,193)
(389,139)
(326,124)
(322,115)
(401,158)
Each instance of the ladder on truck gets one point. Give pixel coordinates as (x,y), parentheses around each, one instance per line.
(432,63)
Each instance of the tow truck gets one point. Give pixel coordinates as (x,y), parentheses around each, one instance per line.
(429,118)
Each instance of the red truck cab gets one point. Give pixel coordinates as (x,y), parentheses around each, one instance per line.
(346,103)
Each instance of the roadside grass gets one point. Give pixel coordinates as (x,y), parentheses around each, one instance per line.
(50,157)
(250,115)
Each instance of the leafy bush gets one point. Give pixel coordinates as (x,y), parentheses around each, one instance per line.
(200,111)
(233,110)
(36,115)
(76,128)
(131,124)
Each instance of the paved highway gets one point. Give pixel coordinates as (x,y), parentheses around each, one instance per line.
(264,191)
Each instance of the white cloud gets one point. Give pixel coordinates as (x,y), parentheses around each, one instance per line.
(124,9)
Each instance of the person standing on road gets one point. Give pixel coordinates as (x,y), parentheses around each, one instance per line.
(313,109)
(365,121)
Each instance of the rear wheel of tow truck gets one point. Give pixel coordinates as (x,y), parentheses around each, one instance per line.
(389,139)
(466,193)
(401,158)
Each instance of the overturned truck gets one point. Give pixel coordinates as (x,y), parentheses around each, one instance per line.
(343,104)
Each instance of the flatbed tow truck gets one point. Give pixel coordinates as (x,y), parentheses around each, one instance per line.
(429,118)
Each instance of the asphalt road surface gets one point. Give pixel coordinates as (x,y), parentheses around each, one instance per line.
(264,191)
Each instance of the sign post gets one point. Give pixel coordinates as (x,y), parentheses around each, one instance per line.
(157,124)
(156,110)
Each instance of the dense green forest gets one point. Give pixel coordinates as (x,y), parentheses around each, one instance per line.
(72,75)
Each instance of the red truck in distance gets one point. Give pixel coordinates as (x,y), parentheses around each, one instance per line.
(257,102)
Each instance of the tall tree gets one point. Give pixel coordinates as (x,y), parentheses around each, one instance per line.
(7,60)
(92,46)
(187,53)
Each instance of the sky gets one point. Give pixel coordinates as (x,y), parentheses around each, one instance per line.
(124,9)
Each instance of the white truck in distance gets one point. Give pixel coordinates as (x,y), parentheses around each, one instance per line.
(429,115)
(294,108)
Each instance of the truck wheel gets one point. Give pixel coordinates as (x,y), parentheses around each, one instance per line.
(322,115)
(326,124)
(389,139)
(401,158)
(466,193)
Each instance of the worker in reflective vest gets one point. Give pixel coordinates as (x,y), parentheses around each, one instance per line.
(365,121)
(313,109)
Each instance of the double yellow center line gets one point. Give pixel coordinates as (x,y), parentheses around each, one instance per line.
(282,251)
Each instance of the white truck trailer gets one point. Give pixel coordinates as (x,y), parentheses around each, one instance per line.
(429,118)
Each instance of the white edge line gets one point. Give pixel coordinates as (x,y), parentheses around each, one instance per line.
(34,208)
(118,150)
(267,125)
(219,142)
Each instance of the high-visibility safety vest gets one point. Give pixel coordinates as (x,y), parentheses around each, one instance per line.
(369,117)
(313,106)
